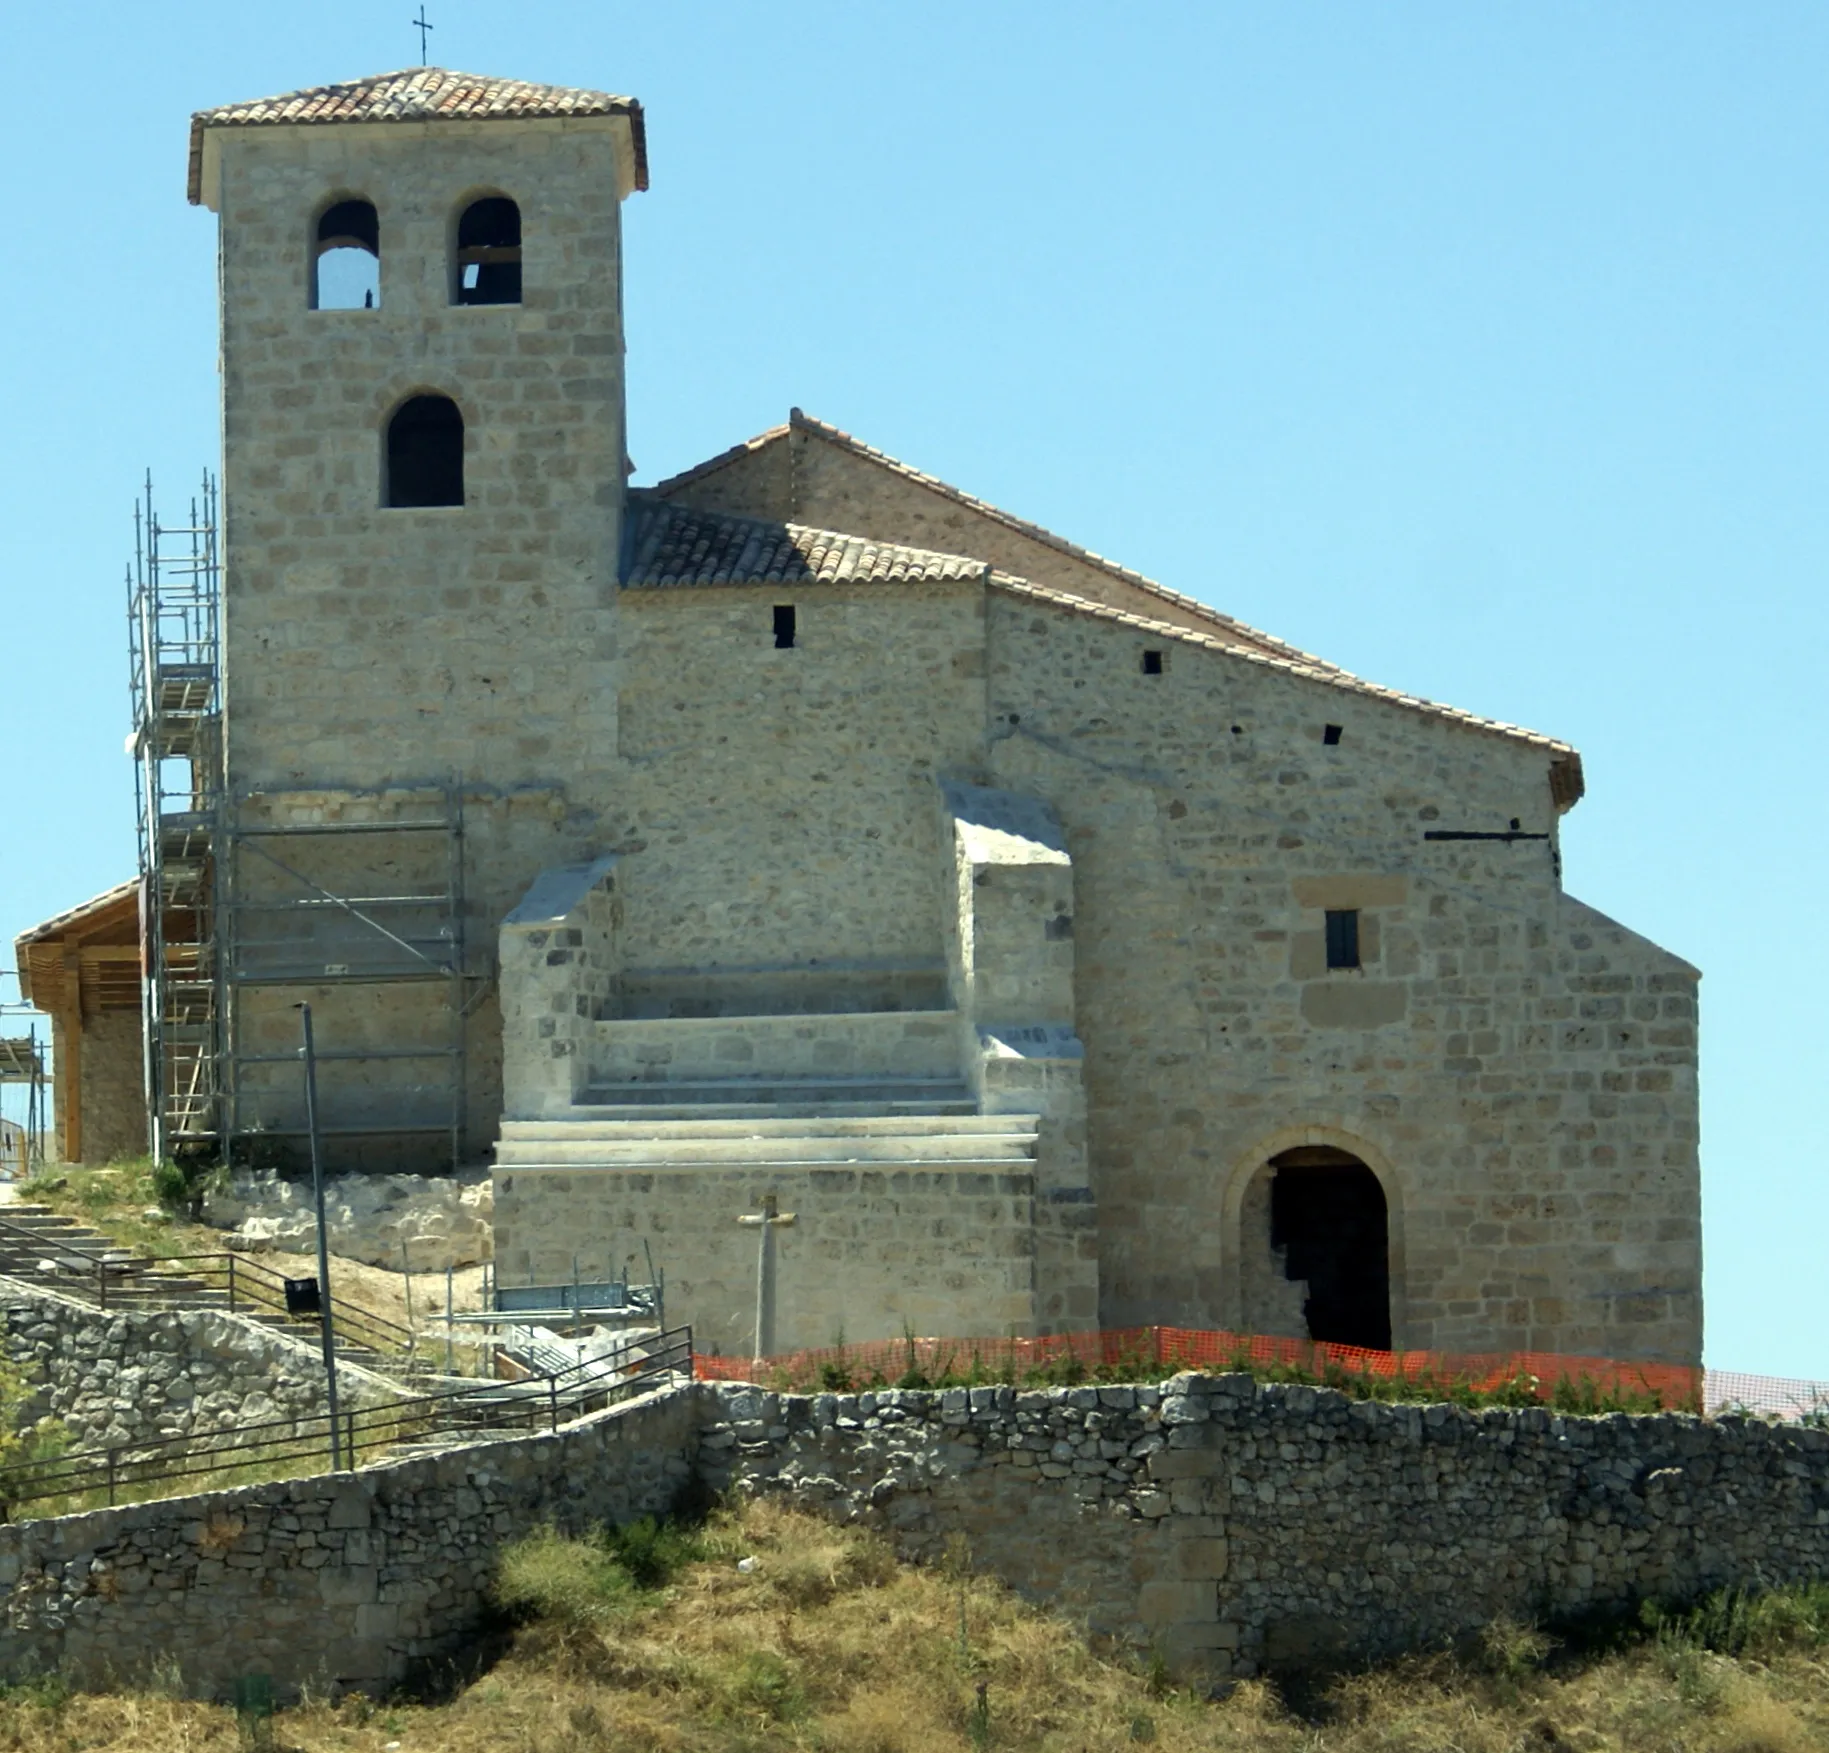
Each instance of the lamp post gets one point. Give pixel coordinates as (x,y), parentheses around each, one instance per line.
(308,1053)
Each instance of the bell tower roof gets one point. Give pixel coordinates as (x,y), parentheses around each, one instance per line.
(416,94)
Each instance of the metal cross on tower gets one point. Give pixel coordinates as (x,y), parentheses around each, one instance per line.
(419,24)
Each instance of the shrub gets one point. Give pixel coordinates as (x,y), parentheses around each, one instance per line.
(582,1583)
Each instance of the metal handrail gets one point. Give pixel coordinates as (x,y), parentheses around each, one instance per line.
(235,1271)
(528,1404)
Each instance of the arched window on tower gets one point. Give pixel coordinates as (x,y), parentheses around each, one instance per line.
(488,263)
(425,453)
(346,258)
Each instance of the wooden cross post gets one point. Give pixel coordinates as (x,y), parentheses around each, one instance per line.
(767,1220)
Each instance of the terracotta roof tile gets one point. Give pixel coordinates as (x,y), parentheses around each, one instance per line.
(1236,631)
(108,901)
(417,94)
(672,545)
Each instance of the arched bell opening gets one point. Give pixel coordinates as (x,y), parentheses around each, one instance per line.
(346,257)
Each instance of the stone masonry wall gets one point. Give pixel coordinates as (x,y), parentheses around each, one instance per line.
(871,1251)
(1518,1070)
(369,649)
(137,1376)
(350,1580)
(1236,1527)
(113,1080)
(781,804)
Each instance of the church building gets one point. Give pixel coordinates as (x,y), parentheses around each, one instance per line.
(1058,950)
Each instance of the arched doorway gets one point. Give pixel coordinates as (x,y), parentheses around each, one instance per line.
(1330,1231)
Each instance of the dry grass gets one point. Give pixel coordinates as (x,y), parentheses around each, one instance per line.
(828,1646)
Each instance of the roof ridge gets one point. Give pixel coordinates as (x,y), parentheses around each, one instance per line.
(798,417)
(711,465)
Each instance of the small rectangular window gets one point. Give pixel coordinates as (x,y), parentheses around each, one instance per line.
(1152,663)
(1343,939)
(784,626)
(1330,734)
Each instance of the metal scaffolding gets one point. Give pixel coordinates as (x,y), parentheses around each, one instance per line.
(25,1105)
(244,895)
(292,917)
(174,617)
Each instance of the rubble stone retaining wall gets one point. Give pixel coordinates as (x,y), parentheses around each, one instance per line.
(1232,1526)
(142,1375)
(345,1581)
(1236,1526)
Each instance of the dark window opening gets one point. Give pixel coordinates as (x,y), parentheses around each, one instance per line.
(784,626)
(1515,824)
(425,453)
(1342,939)
(1330,734)
(489,252)
(1328,1215)
(1152,663)
(346,258)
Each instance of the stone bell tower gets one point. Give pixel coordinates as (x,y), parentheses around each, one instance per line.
(423,473)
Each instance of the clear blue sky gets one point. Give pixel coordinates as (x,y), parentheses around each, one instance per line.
(1480,349)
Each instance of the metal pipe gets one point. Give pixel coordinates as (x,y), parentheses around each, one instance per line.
(307,1053)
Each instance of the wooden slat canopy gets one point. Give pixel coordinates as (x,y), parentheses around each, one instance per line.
(80,964)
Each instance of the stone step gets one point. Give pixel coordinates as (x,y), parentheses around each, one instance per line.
(863,1095)
(584,1122)
(589,1108)
(787,1149)
(802,1045)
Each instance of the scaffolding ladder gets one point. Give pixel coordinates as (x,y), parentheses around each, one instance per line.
(174,634)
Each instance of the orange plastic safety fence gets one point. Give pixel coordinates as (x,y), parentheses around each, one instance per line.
(1153,1352)
(1775,1397)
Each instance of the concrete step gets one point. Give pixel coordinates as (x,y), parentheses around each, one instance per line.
(778,1149)
(583,1123)
(858,1095)
(594,1109)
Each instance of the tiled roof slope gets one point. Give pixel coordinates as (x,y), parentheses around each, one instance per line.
(417,94)
(671,545)
(798,421)
(1566,782)
(105,903)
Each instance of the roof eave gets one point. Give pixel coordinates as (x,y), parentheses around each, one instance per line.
(203,178)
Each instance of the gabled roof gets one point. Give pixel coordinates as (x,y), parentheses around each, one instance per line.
(672,545)
(417,94)
(799,422)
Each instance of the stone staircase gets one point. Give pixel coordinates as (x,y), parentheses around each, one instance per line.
(779,1125)
(62,1253)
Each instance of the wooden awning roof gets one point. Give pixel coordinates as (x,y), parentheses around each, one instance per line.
(98,943)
